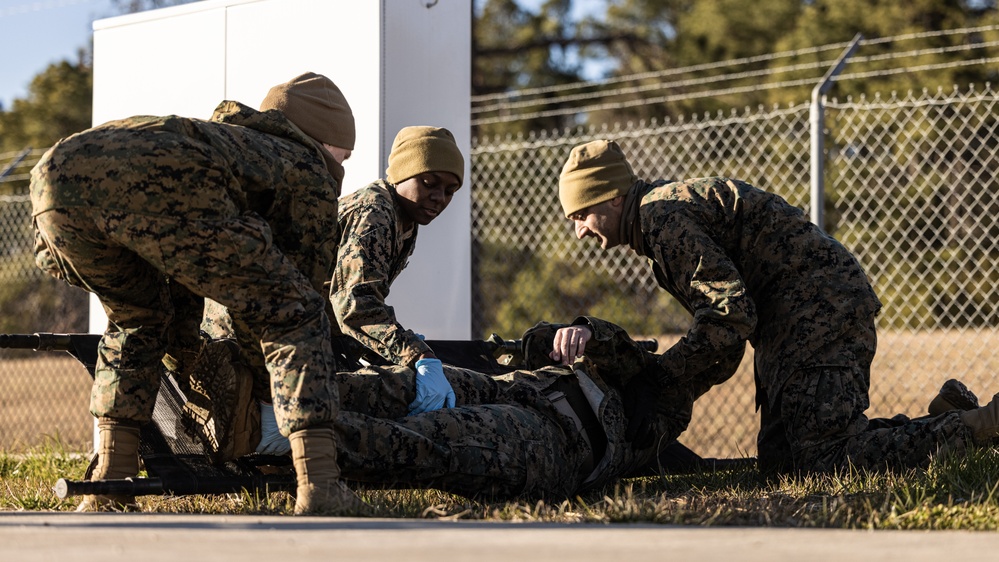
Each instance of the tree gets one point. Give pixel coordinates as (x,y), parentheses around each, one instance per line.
(58,104)
(679,47)
(513,48)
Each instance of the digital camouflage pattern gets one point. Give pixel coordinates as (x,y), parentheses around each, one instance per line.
(504,437)
(818,421)
(154,213)
(611,350)
(373,250)
(749,266)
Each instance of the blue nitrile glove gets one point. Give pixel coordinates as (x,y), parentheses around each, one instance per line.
(433,392)
(271,440)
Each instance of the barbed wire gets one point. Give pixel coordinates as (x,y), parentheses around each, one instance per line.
(640,102)
(607,94)
(921,68)
(652,87)
(658,73)
(928,98)
(738,76)
(837,47)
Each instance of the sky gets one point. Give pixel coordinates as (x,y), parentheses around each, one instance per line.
(36,33)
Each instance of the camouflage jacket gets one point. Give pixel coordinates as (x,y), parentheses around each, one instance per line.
(273,169)
(749,266)
(373,250)
(612,360)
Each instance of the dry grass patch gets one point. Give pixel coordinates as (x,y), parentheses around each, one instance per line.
(953,493)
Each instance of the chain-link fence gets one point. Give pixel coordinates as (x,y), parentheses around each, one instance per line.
(910,188)
(41,395)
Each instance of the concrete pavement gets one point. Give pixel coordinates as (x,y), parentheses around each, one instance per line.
(31,537)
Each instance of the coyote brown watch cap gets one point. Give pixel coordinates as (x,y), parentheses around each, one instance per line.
(316,106)
(595,172)
(417,150)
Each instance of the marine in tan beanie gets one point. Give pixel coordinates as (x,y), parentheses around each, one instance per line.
(316,106)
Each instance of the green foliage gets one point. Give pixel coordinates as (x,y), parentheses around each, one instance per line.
(518,289)
(30,300)
(513,48)
(632,37)
(42,304)
(28,479)
(58,105)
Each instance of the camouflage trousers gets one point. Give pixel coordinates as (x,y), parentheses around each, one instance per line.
(503,438)
(818,424)
(151,274)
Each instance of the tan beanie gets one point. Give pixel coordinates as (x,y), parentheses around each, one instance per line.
(595,172)
(316,106)
(416,150)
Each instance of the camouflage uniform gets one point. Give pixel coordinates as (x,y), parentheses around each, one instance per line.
(749,266)
(154,213)
(373,251)
(504,437)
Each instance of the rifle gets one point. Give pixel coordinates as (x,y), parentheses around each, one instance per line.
(81,346)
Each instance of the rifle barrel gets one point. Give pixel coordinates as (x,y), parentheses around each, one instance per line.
(128,487)
(176,487)
(41,341)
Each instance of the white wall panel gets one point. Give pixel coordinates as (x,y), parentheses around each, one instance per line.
(158,67)
(427,82)
(271,42)
(398,62)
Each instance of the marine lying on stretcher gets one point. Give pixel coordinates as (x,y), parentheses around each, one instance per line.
(540,429)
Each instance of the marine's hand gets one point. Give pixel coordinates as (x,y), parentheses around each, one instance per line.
(432,389)
(271,440)
(570,343)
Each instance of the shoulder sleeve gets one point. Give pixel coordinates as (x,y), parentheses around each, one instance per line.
(724,313)
(360,285)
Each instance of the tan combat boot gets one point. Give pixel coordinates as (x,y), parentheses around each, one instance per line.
(320,490)
(984,422)
(953,395)
(117,458)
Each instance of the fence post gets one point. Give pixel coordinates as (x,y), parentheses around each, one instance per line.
(816,119)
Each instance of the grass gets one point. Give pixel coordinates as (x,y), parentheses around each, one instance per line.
(952,493)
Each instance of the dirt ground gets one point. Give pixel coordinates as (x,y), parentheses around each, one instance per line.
(44,397)
(48,395)
(907,372)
